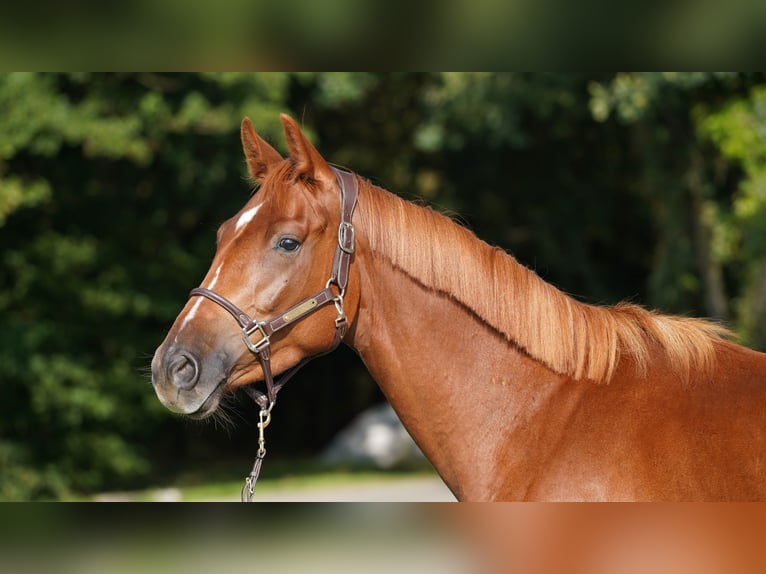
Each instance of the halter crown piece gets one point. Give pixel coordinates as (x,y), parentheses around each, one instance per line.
(349,191)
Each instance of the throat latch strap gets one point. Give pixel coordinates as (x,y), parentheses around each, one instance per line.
(349,192)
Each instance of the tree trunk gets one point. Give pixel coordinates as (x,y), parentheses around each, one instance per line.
(753,308)
(710,269)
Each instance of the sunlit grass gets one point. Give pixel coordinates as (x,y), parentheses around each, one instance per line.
(338,479)
(281,476)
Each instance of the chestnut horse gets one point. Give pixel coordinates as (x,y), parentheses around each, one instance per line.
(512,389)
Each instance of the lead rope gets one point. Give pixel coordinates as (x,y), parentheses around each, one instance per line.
(264,418)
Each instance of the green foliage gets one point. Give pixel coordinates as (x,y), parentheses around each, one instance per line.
(107,211)
(738,129)
(643,186)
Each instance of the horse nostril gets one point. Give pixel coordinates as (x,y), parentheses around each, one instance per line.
(183,371)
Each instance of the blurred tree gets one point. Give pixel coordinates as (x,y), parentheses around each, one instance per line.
(110,189)
(738,238)
(709,254)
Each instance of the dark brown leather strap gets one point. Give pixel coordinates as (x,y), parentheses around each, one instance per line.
(349,186)
(299,311)
(242,318)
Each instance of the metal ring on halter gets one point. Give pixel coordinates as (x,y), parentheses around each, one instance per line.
(333,281)
(338,302)
(255,347)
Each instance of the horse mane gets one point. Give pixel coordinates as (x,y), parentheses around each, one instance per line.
(570,337)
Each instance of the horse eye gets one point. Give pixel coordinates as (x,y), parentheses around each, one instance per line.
(288,244)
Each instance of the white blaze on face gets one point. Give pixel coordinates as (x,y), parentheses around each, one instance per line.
(196,305)
(243,220)
(247,217)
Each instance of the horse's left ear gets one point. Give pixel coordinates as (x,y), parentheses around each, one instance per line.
(308,162)
(258,153)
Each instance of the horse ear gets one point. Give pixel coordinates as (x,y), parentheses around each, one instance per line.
(308,162)
(259,154)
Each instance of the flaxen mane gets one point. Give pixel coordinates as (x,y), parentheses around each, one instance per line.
(572,338)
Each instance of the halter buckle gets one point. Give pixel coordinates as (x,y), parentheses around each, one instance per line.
(258,347)
(346,237)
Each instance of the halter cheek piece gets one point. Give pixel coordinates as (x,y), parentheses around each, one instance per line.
(266,329)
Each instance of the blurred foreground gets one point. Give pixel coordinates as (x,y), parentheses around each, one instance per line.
(507,538)
(295,33)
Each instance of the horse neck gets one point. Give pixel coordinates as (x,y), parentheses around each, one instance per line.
(463,392)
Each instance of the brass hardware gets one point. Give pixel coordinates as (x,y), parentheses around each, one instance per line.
(299,311)
(264,420)
(346,237)
(338,302)
(259,346)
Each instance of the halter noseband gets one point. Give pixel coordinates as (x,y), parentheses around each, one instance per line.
(266,329)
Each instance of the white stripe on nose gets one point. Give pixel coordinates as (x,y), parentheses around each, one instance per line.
(196,305)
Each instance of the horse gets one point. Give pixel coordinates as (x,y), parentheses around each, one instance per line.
(513,389)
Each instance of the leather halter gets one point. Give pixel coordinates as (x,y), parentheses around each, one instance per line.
(349,189)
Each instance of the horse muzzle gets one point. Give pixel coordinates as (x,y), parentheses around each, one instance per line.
(187,383)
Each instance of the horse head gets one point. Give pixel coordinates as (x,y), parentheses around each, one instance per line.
(271,257)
